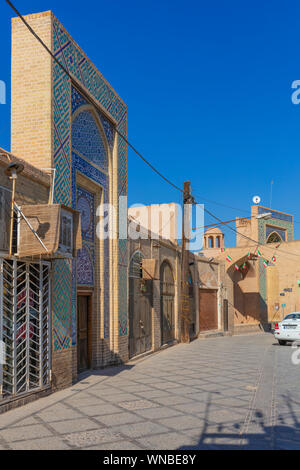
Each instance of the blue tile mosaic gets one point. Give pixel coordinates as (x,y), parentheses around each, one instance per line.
(71,56)
(85,265)
(87,140)
(78,100)
(271,229)
(275,214)
(86,206)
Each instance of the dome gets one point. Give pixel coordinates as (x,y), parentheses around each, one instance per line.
(213,231)
(213,238)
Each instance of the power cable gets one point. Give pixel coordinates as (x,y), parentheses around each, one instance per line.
(221,204)
(86,96)
(256,242)
(121,135)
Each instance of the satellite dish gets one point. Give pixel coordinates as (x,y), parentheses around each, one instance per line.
(256,199)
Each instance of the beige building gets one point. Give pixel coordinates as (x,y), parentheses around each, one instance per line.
(264,267)
(25,285)
(154,273)
(68,125)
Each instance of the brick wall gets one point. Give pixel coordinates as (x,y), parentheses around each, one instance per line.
(160,250)
(40,104)
(31,112)
(31,186)
(62,369)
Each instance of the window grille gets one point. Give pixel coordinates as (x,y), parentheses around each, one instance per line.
(24,326)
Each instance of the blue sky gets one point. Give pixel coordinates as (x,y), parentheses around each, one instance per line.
(208,89)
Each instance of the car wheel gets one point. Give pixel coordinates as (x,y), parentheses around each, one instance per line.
(281,342)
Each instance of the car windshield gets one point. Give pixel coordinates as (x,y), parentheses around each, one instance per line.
(292,316)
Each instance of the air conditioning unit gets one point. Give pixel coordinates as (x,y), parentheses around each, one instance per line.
(49,230)
(5,203)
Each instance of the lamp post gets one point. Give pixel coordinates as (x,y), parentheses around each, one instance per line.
(12,171)
(264,216)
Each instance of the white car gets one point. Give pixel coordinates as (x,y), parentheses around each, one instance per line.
(288,329)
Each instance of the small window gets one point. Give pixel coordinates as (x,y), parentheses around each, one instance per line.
(274,237)
(292,316)
(66,231)
(135,269)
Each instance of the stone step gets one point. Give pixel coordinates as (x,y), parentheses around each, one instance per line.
(212,334)
(247,329)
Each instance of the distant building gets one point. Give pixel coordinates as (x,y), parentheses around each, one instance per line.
(154,271)
(264,267)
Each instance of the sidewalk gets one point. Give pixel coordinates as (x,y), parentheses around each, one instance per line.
(218,393)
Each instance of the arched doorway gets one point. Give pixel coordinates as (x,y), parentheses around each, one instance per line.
(167,295)
(140,308)
(91,173)
(274,237)
(247,302)
(192,329)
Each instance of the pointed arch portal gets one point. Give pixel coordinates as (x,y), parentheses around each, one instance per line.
(140,308)
(167,292)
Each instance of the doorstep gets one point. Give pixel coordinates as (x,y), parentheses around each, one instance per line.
(213,334)
(247,328)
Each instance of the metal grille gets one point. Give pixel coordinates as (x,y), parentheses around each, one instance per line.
(135,269)
(24,326)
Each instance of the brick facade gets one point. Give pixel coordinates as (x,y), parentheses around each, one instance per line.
(268,288)
(49,111)
(201,270)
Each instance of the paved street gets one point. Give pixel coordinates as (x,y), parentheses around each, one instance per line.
(224,393)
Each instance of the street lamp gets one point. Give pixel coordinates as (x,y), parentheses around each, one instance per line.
(265,216)
(12,171)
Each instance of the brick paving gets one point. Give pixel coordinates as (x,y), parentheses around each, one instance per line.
(218,393)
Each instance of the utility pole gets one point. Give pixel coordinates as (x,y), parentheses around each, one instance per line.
(185,299)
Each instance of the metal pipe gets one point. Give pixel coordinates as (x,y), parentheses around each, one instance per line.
(14,177)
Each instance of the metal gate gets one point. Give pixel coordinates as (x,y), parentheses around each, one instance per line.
(167,294)
(24,326)
(140,309)
(140,317)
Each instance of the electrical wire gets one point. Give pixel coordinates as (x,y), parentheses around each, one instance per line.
(72,79)
(220,203)
(223,223)
(229,207)
(256,242)
(125,139)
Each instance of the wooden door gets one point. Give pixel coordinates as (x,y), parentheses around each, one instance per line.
(140,317)
(83,332)
(208,309)
(168,321)
(167,293)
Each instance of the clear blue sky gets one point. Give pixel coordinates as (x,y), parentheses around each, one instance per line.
(208,89)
